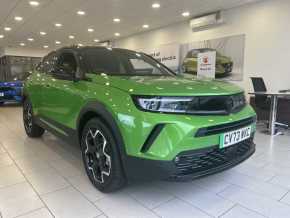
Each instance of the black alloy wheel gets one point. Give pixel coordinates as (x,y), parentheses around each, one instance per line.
(27,117)
(101,157)
(97,155)
(31,128)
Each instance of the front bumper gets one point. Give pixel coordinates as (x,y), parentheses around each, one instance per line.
(190,164)
(10,94)
(224,69)
(11,98)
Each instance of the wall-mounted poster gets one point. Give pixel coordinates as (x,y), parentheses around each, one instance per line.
(229,56)
(169,55)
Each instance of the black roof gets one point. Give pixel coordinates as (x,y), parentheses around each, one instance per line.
(84,48)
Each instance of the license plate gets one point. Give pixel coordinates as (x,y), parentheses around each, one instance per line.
(234,137)
(1,94)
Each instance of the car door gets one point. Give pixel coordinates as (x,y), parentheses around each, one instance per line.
(37,82)
(44,77)
(62,93)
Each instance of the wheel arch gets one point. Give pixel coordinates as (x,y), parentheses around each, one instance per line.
(99,110)
(24,96)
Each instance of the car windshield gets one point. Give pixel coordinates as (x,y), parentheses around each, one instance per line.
(122,62)
(194,52)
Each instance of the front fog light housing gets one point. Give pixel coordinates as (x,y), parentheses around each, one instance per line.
(165,104)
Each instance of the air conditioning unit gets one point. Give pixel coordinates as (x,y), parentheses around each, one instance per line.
(206,21)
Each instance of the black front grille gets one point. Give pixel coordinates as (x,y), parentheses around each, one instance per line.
(206,160)
(227,65)
(213,130)
(6,97)
(5,89)
(220,104)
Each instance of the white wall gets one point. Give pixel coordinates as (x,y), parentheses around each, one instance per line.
(23,52)
(267,29)
(2,52)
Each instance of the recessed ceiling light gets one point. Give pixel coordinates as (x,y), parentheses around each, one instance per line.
(1,36)
(156,5)
(96,40)
(7,28)
(22,44)
(116,20)
(71,37)
(81,12)
(145,26)
(91,30)
(45,46)
(34,3)
(185,14)
(57,42)
(58,25)
(117,34)
(17,18)
(42,33)
(30,39)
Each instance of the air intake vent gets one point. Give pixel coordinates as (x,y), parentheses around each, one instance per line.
(152,136)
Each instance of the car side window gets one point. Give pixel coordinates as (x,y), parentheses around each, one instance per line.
(39,67)
(66,65)
(192,54)
(102,60)
(48,63)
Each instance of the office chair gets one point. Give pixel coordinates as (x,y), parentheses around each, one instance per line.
(263,102)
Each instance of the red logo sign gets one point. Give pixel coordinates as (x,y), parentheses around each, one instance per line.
(205,60)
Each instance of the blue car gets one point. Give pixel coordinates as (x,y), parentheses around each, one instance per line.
(11,91)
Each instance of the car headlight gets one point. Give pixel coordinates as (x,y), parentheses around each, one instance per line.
(198,105)
(166,104)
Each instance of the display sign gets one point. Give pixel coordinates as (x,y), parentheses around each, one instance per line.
(206,62)
(169,55)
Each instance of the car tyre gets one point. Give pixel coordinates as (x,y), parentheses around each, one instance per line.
(101,157)
(31,128)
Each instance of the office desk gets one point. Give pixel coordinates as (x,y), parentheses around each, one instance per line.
(273,111)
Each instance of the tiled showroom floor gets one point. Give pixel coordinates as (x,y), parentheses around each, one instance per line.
(41,178)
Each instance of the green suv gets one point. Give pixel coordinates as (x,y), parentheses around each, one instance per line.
(134,118)
(224,64)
